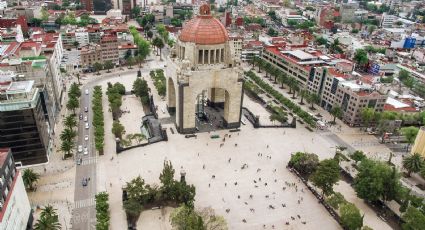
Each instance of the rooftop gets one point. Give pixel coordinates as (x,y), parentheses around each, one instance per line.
(301,55)
(4,152)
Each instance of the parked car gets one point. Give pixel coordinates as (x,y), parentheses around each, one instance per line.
(81,116)
(80,148)
(87,92)
(85,118)
(86,151)
(87,125)
(86,137)
(86,109)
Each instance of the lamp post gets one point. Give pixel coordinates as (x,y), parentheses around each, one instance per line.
(183,176)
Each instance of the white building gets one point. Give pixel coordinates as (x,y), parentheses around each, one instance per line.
(388,20)
(82,37)
(15,209)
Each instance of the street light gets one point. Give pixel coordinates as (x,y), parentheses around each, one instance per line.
(183,176)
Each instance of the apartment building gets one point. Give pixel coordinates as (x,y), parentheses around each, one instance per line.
(251,49)
(109,46)
(388,20)
(23,124)
(337,87)
(68,40)
(82,37)
(235,43)
(90,54)
(295,63)
(15,209)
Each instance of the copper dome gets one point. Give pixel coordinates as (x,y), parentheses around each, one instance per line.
(204,29)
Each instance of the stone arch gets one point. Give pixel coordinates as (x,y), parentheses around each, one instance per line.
(171,95)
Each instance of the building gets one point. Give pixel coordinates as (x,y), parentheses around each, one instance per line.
(87,5)
(23,124)
(101,6)
(336,87)
(348,11)
(204,75)
(388,20)
(68,40)
(82,37)
(235,43)
(90,54)
(15,209)
(419,145)
(109,46)
(251,49)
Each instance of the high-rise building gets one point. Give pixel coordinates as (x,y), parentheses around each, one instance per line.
(23,125)
(15,209)
(109,46)
(101,6)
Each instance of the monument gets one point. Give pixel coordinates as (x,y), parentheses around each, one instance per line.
(204,82)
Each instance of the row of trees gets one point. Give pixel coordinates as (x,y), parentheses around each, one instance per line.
(159,81)
(98,122)
(108,65)
(68,134)
(324,175)
(102,211)
(170,192)
(285,101)
(141,90)
(143,46)
(115,93)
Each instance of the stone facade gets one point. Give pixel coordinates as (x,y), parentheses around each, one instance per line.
(208,69)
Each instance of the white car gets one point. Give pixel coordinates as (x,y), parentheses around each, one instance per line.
(87,92)
(80,148)
(86,151)
(87,125)
(86,109)
(85,118)
(86,137)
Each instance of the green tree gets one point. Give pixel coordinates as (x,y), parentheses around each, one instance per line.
(108,65)
(272,33)
(351,218)
(48,220)
(211,221)
(149,34)
(403,75)
(167,180)
(70,122)
(303,93)
(336,200)
(335,47)
(141,89)
(118,129)
(185,218)
(78,78)
(67,134)
(321,41)
(130,62)
(74,90)
(326,175)
(410,134)
(304,163)
(76,44)
(102,211)
(30,177)
(135,12)
(358,156)
(367,115)
(98,67)
(413,219)
(313,98)
(360,57)
(376,180)
(413,163)
(159,44)
(336,111)
(67,147)
(72,104)
(36,22)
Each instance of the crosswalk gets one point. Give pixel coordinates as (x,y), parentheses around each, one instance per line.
(84,203)
(88,161)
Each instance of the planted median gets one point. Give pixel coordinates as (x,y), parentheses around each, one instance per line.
(98,122)
(285,101)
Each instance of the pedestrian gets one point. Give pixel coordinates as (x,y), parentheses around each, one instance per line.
(225,184)
(209,185)
(203,166)
(229,160)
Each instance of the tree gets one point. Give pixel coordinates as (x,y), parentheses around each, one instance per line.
(335,47)
(30,177)
(370,29)
(360,57)
(313,98)
(149,34)
(68,134)
(108,65)
(143,48)
(212,221)
(76,44)
(48,220)
(159,44)
(413,163)
(413,219)
(376,180)
(358,156)
(303,93)
(98,67)
(118,129)
(336,111)
(72,104)
(35,22)
(70,122)
(185,218)
(326,175)
(141,89)
(67,147)
(272,33)
(135,12)
(350,215)
(410,134)
(304,163)
(74,90)
(403,75)
(321,41)
(78,78)
(367,115)
(167,180)
(130,62)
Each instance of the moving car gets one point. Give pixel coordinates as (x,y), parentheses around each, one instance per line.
(86,137)
(87,92)
(80,148)
(81,116)
(86,109)
(87,125)
(86,151)
(85,118)
(84,182)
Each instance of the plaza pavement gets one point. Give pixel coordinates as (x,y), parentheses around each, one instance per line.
(183,153)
